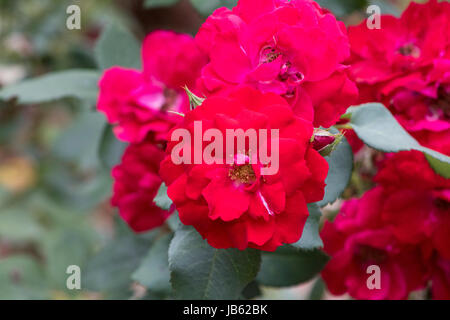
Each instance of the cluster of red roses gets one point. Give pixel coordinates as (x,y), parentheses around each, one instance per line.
(403,224)
(289,65)
(266,64)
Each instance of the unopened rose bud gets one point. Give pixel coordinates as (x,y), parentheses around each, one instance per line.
(322,139)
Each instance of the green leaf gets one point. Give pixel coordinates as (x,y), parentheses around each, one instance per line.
(111,149)
(317,290)
(174,221)
(17,224)
(111,269)
(199,271)
(439,162)
(386,7)
(288,266)
(251,291)
(377,127)
(153,272)
(162,200)
(79,143)
(340,163)
(65,188)
(81,84)
(22,278)
(310,237)
(342,7)
(159,3)
(118,47)
(64,247)
(206,7)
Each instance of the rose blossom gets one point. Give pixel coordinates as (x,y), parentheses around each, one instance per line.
(441,279)
(406,66)
(137,102)
(292,48)
(416,208)
(358,238)
(136,183)
(233,205)
(417,202)
(403,225)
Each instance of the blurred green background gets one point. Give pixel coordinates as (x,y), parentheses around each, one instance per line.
(55,157)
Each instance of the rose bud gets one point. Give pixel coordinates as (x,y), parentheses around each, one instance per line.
(322,139)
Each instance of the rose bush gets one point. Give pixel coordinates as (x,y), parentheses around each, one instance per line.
(263,65)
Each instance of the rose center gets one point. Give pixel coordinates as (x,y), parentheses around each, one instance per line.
(287,74)
(242,173)
(440,108)
(170,97)
(444,101)
(409,49)
(442,204)
(269,54)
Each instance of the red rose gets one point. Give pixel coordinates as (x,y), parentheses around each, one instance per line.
(406,66)
(136,183)
(441,279)
(417,202)
(404,226)
(137,101)
(291,48)
(235,205)
(359,238)
(353,140)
